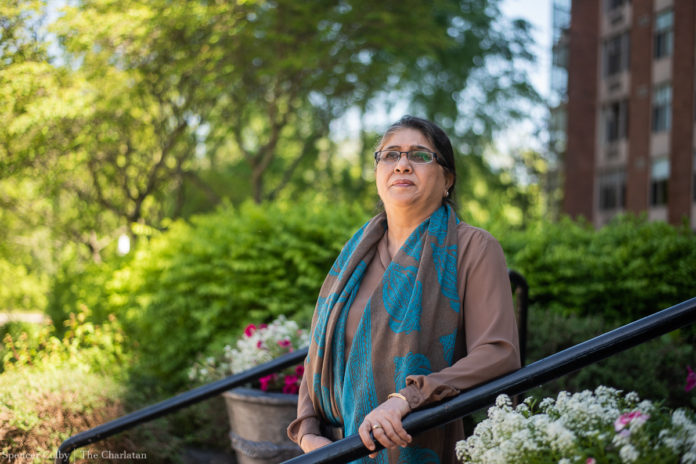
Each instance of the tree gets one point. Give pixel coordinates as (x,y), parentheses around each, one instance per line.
(147,97)
(263,76)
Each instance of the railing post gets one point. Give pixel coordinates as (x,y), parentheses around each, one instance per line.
(521,289)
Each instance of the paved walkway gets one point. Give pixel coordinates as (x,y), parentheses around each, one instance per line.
(36,317)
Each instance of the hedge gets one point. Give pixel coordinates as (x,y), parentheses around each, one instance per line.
(189,290)
(628,269)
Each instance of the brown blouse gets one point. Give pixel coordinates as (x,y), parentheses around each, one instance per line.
(491,345)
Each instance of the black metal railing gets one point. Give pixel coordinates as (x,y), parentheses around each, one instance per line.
(520,289)
(472,400)
(101,432)
(174,404)
(524,379)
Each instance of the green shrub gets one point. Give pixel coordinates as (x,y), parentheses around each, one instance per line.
(41,407)
(80,284)
(623,271)
(52,388)
(191,289)
(655,369)
(20,289)
(84,346)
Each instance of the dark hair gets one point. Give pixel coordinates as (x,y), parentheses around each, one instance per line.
(435,135)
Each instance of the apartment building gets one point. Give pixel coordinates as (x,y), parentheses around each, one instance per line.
(630,109)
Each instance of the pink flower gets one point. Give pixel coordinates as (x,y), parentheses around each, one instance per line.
(626,418)
(690,379)
(291,384)
(259,344)
(265,381)
(291,389)
(284,343)
(299,371)
(263,326)
(591,461)
(250,329)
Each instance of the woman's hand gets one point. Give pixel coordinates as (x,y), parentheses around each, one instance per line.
(310,442)
(385,424)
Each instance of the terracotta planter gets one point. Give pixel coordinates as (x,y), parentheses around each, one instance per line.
(258,421)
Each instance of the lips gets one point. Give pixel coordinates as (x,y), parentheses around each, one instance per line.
(402,183)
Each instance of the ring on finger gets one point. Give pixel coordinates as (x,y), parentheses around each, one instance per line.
(376,426)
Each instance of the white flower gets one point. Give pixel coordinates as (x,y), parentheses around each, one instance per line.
(628,453)
(566,426)
(255,346)
(503,401)
(560,437)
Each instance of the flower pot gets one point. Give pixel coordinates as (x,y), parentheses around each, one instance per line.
(258,423)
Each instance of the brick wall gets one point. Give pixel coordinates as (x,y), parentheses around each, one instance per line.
(640,106)
(583,62)
(682,136)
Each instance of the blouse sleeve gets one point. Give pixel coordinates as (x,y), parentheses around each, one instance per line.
(307,420)
(489,325)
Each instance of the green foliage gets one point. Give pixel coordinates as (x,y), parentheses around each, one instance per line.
(193,288)
(42,406)
(623,271)
(39,408)
(656,369)
(20,290)
(111,127)
(82,287)
(84,346)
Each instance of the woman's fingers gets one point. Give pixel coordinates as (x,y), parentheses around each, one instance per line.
(387,436)
(388,433)
(385,424)
(364,432)
(401,436)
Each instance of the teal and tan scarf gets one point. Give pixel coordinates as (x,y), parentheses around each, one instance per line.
(409,325)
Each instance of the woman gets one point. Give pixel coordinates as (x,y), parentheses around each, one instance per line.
(416,308)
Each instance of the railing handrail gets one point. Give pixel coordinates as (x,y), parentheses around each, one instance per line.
(175,403)
(549,368)
(207,391)
(351,447)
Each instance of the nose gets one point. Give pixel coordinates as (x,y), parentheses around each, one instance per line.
(403,165)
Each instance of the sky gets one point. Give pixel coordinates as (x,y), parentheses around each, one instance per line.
(524,135)
(538,13)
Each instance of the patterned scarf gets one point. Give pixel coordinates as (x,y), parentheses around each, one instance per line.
(408,327)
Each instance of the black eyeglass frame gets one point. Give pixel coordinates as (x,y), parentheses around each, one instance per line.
(435,157)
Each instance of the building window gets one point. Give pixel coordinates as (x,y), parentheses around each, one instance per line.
(615,117)
(612,191)
(659,177)
(664,34)
(614,4)
(662,108)
(616,52)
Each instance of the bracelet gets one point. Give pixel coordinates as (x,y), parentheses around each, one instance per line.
(397,395)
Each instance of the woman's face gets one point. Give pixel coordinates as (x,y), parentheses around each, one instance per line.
(420,187)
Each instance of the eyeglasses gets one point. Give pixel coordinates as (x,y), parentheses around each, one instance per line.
(414,156)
